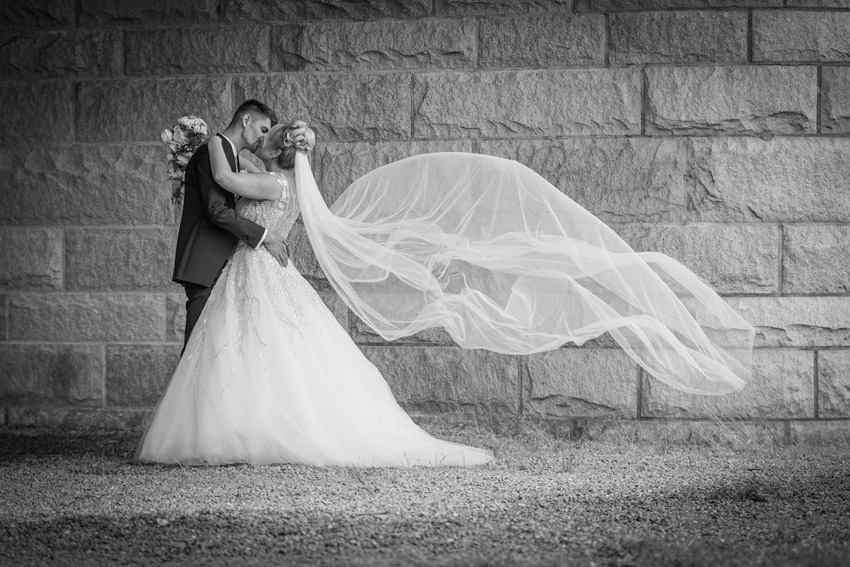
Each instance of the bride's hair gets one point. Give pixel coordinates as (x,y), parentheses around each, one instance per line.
(294,137)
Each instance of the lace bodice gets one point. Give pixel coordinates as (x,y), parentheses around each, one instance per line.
(277,216)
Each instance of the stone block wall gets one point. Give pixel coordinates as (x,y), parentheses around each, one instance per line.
(715,131)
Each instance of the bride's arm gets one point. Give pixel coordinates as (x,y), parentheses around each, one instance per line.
(251,185)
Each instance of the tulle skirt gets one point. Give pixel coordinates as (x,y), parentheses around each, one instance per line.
(270,376)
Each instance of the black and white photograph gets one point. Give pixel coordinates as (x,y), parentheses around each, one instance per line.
(378,283)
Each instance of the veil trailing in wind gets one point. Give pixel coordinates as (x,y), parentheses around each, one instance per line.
(495,254)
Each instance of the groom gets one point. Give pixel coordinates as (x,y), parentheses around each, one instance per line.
(210,227)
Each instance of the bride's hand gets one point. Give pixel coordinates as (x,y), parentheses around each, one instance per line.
(277,247)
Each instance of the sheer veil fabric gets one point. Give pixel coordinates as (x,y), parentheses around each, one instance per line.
(499,257)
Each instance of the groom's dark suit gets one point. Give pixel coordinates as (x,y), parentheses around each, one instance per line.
(209,230)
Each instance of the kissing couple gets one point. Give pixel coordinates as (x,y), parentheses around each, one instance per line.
(478,245)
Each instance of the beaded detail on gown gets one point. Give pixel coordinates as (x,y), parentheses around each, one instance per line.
(270,376)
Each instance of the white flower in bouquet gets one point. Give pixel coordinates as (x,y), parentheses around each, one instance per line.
(182,140)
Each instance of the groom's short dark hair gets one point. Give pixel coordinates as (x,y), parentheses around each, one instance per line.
(255,107)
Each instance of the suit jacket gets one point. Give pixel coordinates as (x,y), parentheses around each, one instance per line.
(210,227)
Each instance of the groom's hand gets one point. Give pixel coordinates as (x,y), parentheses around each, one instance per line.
(277,247)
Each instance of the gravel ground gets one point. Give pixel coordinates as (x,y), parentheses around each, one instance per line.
(73,498)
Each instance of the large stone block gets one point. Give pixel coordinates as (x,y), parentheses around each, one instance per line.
(139,109)
(439,379)
(37,14)
(630,5)
(69,418)
(60,54)
(175,317)
(782,386)
(302,254)
(801,36)
(834,383)
(527,103)
(31,258)
(338,165)
(4,317)
(791,179)
(343,106)
(733,258)
(797,321)
(98,13)
(137,375)
(616,179)
(753,100)
(51,374)
(214,50)
(117,259)
(816,259)
(87,317)
(835,100)
(834,433)
(288,11)
(501,7)
(817,3)
(405,44)
(98,184)
(581,383)
(49,116)
(542,41)
(678,37)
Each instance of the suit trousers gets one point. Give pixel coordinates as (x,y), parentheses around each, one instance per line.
(196,299)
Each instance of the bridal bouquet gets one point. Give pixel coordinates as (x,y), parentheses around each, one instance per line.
(182,140)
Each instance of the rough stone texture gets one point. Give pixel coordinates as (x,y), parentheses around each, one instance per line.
(286,10)
(678,37)
(175,317)
(364,334)
(118,184)
(834,383)
(30,258)
(302,253)
(136,375)
(134,13)
(754,100)
(817,3)
(835,100)
(581,383)
(618,5)
(796,321)
(527,103)
(65,54)
(542,40)
(215,50)
(87,317)
(782,386)
(616,179)
(777,180)
(49,116)
(500,7)
(439,379)
(338,165)
(65,418)
(119,259)
(4,317)
(139,109)
(801,36)
(343,106)
(51,374)
(814,433)
(407,44)
(733,258)
(37,14)
(816,259)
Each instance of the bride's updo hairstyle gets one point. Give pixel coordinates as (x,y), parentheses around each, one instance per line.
(294,137)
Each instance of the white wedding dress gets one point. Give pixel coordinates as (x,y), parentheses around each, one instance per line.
(270,376)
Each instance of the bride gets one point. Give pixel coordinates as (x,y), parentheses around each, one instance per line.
(481,246)
(269,375)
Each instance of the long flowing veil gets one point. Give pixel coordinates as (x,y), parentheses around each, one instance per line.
(492,252)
